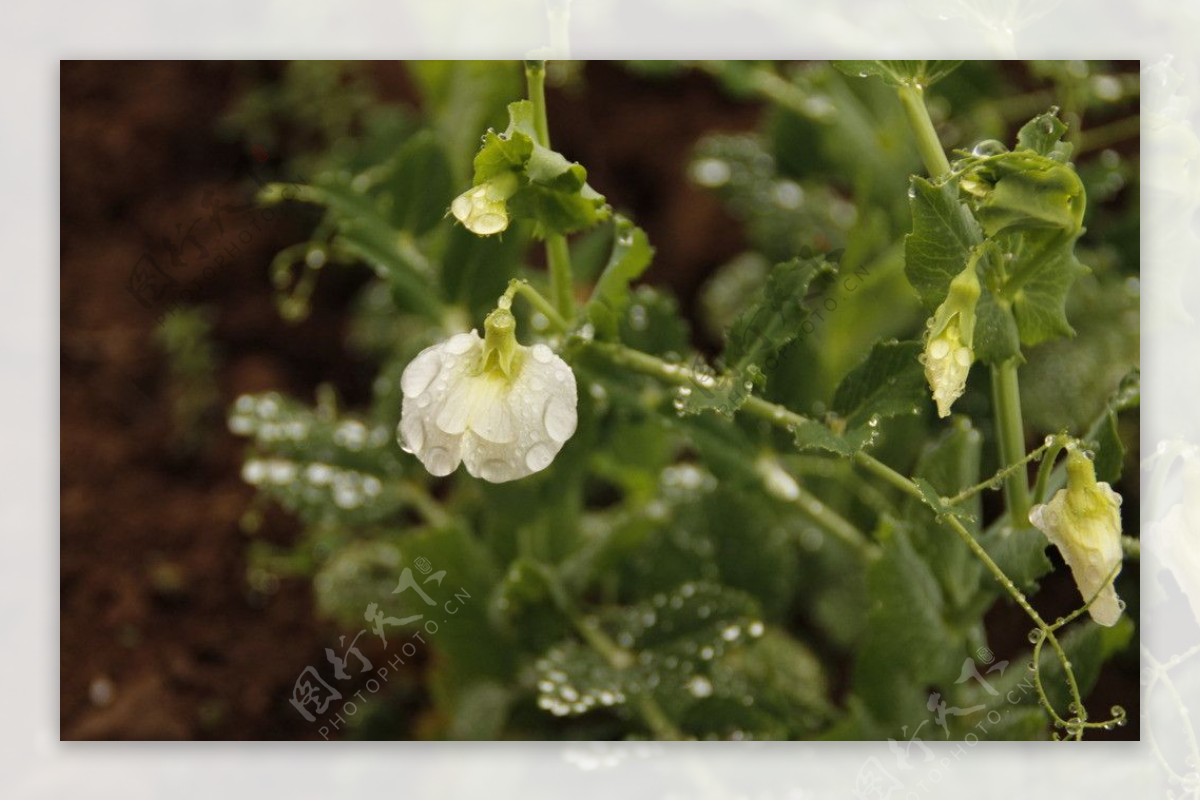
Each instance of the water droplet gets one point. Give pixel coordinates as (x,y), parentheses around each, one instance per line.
(420,372)
(559,419)
(440,462)
(539,457)
(989,147)
(1035,635)
(541,353)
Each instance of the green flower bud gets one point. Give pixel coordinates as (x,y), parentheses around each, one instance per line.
(950,333)
(483,209)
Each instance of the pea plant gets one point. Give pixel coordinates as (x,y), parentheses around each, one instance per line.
(797,513)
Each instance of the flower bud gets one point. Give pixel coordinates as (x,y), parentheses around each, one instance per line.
(1084,523)
(483,209)
(950,332)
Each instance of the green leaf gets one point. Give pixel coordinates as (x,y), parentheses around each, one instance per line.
(1110,451)
(889,382)
(947,466)
(631,255)
(666,649)
(421,186)
(755,340)
(1042,135)
(997,338)
(1043,269)
(811,435)
(907,645)
(770,324)
(781,677)
(943,235)
(1020,553)
(900,73)
(1028,192)
(476,269)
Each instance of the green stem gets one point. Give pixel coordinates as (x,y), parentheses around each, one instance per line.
(993,482)
(558,255)
(523,288)
(535,81)
(930,147)
(1010,429)
(835,524)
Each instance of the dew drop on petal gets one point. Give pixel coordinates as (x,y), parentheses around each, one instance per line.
(412,435)
(539,457)
(440,462)
(420,373)
(559,419)
(496,470)
(542,354)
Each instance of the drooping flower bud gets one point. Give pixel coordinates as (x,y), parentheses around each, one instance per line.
(483,209)
(1084,523)
(948,339)
(499,407)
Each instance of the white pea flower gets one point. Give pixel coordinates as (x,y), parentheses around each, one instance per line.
(483,209)
(502,409)
(1084,523)
(951,331)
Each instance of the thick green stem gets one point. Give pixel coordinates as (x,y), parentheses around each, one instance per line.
(558,255)
(1010,430)
(930,147)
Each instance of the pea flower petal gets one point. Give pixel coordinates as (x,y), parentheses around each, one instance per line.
(503,411)
(1084,523)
